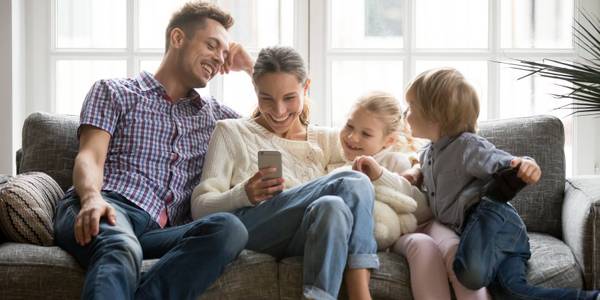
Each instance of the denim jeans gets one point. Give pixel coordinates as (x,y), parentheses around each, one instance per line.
(493,252)
(328,220)
(192,256)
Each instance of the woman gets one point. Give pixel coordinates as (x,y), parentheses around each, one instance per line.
(328,220)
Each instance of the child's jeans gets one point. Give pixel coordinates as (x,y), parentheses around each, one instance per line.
(493,252)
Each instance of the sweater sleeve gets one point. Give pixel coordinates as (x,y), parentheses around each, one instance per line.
(215,192)
(334,147)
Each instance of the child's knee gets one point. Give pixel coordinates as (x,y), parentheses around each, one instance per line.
(419,244)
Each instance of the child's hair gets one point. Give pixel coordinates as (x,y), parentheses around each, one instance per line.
(445,97)
(387,109)
(287,60)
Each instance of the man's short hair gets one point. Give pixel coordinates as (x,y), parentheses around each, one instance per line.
(445,97)
(192,16)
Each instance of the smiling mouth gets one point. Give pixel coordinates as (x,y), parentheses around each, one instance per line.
(209,69)
(351,147)
(279,120)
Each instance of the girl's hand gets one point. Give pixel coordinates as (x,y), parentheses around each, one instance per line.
(237,60)
(529,171)
(414,175)
(367,165)
(258,188)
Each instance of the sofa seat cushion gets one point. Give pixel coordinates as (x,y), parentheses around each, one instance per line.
(391,281)
(552,263)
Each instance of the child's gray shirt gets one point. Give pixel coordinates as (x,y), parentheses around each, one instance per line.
(454,171)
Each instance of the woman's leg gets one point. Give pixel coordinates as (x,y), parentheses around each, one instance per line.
(428,277)
(447,241)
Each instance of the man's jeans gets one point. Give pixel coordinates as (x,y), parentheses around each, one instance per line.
(192,256)
(493,252)
(328,220)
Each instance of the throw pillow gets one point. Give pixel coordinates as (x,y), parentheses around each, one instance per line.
(27,205)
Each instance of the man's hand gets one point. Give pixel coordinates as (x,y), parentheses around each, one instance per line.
(414,176)
(87,223)
(238,60)
(367,165)
(259,188)
(529,171)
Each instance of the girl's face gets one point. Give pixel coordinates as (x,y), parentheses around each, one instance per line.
(420,127)
(364,134)
(280,102)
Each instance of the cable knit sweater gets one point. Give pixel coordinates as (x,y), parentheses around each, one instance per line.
(232,158)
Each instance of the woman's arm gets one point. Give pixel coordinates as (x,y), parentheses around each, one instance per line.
(215,192)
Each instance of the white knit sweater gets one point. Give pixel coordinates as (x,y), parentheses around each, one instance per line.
(232,158)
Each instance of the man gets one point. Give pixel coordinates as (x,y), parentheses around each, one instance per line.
(142,145)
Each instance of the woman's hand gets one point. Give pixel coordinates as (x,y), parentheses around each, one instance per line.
(237,60)
(529,171)
(414,175)
(258,188)
(367,165)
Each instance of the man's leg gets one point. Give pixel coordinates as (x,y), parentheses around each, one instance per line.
(192,256)
(113,258)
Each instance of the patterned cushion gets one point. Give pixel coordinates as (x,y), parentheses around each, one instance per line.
(27,204)
(49,145)
(542,138)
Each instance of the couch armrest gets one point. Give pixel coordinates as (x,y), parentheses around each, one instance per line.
(581,225)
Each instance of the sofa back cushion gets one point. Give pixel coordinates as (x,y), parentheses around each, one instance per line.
(50,145)
(541,138)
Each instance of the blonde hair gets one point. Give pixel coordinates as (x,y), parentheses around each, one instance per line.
(287,60)
(192,16)
(387,109)
(445,97)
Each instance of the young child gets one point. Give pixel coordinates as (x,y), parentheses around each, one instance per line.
(372,141)
(494,248)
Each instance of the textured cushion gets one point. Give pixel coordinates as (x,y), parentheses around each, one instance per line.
(552,264)
(49,145)
(542,138)
(391,281)
(27,204)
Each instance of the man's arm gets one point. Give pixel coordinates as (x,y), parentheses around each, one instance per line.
(88,174)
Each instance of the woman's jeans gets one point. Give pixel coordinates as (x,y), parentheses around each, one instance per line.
(493,252)
(328,220)
(192,256)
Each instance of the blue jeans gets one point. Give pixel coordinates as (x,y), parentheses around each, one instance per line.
(328,220)
(493,252)
(192,256)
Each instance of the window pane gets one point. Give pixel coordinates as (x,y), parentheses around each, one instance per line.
(353,78)
(85,23)
(536,23)
(451,24)
(153,18)
(239,93)
(367,23)
(74,78)
(261,23)
(476,73)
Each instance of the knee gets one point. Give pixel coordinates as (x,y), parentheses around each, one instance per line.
(419,244)
(121,249)
(229,233)
(331,212)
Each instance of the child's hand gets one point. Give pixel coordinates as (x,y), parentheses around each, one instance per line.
(367,165)
(414,176)
(529,171)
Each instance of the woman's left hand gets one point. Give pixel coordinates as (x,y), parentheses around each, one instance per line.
(529,171)
(367,165)
(237,60)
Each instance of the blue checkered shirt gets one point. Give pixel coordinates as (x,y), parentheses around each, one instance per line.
(157,147)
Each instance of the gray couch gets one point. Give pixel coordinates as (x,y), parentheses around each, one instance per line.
(563,217)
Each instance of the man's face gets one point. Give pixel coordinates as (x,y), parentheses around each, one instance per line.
(203,54)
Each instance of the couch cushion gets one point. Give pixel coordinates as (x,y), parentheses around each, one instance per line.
(27,204)
(36,272)
(542,138)
(49,145)
(391,281)
(552,264)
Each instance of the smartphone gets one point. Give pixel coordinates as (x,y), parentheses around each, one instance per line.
(270,158)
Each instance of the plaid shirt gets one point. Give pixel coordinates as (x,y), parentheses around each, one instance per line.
(157,147)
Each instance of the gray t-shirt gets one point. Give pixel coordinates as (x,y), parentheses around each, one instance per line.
(454,171)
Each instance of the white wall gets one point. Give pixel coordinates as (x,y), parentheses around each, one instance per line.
(6,121)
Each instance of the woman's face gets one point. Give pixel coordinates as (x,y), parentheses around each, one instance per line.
(280,101)
(364,134)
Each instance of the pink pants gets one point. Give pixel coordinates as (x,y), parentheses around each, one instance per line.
(430,253)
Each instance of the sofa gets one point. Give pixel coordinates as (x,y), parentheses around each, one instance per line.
(562,216)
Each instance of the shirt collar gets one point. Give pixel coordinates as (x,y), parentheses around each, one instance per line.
(442,143)
(147,82)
